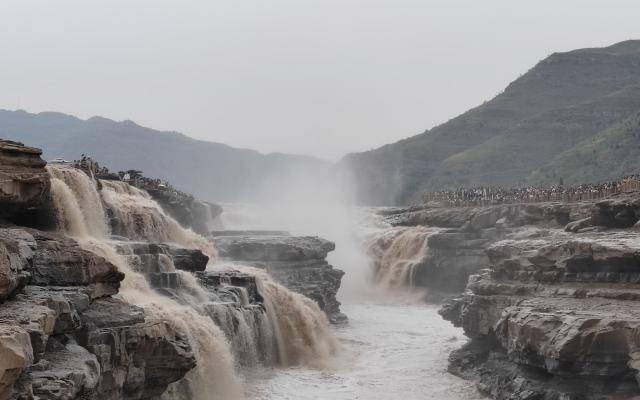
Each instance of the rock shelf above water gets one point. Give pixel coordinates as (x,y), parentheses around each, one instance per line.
(298,262)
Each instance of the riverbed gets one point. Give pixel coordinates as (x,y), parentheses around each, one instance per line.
(390,351)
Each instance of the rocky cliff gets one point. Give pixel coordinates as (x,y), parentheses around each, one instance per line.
(89,315)
(296,262)
(24,184)
(64,334)
(458,250)
(552,296)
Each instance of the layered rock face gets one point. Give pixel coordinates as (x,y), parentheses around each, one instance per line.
(24,183)
(63,334)
(459,250)
(554,318)
(73,326)
(551,297)
(299,263)
(553,314)
(620,212)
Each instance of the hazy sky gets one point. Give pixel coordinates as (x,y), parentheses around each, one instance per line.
(321,77)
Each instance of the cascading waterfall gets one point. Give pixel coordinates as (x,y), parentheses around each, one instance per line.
(297,325)
(77,202)
(396,252)
(214,377)
(301,329)
(293,330)
(139,217)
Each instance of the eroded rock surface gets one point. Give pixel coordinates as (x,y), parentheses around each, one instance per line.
(556,317)
(64,336)
(24,183)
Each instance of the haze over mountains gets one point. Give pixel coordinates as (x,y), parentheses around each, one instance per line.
(574,116)
(569,111)
(211,171)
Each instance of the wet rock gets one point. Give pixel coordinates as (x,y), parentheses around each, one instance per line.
(226,283)
(160,263)
(188,259)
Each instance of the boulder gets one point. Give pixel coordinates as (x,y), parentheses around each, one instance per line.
(16,354)
(620,212)
(191,260)
(16,253)
(68,371)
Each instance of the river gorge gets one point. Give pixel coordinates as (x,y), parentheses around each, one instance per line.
(115,289)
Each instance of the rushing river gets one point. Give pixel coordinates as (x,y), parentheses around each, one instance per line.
(391,352)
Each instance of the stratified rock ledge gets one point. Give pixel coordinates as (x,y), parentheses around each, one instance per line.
(298,262)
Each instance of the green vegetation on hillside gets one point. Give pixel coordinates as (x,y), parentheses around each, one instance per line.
(612,153)
(564,100)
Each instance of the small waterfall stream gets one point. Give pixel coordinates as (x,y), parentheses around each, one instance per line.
(395,254)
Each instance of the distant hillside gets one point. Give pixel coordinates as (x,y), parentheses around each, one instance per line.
(613,152)
(211,171)
(525,134)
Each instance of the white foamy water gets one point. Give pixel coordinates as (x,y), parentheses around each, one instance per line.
(393,352)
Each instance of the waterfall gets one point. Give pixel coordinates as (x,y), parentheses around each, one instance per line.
(291,329)
(74,198)
(395,254)
(300,328)
(139,217)
(77,203)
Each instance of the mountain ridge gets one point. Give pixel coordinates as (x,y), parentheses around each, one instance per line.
(210,170)
(398,173)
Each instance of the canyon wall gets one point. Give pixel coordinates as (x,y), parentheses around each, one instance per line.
(117,300)
(550,294)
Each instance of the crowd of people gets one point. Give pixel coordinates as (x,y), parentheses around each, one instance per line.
(491,195)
